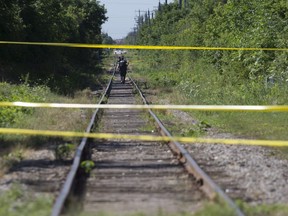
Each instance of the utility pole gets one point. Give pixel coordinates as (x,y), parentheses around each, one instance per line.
(140,19)
(139,13)
(149,17)
(134,35)
(180,4)
(159,6)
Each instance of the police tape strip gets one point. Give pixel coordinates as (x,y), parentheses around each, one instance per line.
(259,108)
(29,132)
(108,46)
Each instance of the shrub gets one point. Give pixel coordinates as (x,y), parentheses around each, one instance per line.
(24,93)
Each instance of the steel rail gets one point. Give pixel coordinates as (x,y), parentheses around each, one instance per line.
(63,198)
(210,188)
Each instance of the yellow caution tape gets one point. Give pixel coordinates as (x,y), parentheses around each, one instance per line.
(283,108)
(105,46)
(273,143)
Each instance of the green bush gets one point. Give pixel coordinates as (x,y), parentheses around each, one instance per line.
(16,201)
(23,93)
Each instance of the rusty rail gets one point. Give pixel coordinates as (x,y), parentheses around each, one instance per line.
(76,174)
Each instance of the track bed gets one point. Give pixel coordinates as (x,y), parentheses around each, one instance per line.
(139,176)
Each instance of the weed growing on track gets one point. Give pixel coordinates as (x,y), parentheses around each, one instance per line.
(12,158)
(87,166)
(63,151)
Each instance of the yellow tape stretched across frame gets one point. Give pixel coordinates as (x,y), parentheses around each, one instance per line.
(105,46)
(120,106)
(273,143)
(283,108)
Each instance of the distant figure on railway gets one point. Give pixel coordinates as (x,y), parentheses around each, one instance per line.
(123,64)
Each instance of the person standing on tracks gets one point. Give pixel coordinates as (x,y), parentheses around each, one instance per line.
(123,64)
(118,64)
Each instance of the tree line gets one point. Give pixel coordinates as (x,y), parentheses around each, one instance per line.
(67,21)
(219,23)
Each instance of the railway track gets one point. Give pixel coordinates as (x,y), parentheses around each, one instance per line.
(133,176)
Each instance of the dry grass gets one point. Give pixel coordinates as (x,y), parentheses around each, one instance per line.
(15,148)
(61,118)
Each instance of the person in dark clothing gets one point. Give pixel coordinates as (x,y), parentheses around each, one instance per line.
(117,65)
(123,64)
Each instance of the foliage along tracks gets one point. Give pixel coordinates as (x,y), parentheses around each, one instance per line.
(134,176)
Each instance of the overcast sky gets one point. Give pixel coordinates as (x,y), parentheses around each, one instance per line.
(121,15)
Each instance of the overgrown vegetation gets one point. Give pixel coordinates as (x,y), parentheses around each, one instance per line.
(276,209)
(24,93)
(12,147)
(209,23)
(215,77)
(221,77)
(17,201)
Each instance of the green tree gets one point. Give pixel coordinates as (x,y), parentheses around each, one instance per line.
(77,21)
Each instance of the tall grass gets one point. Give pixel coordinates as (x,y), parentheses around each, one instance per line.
(201,83)
(17,201)
(41,118)
(16,148)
